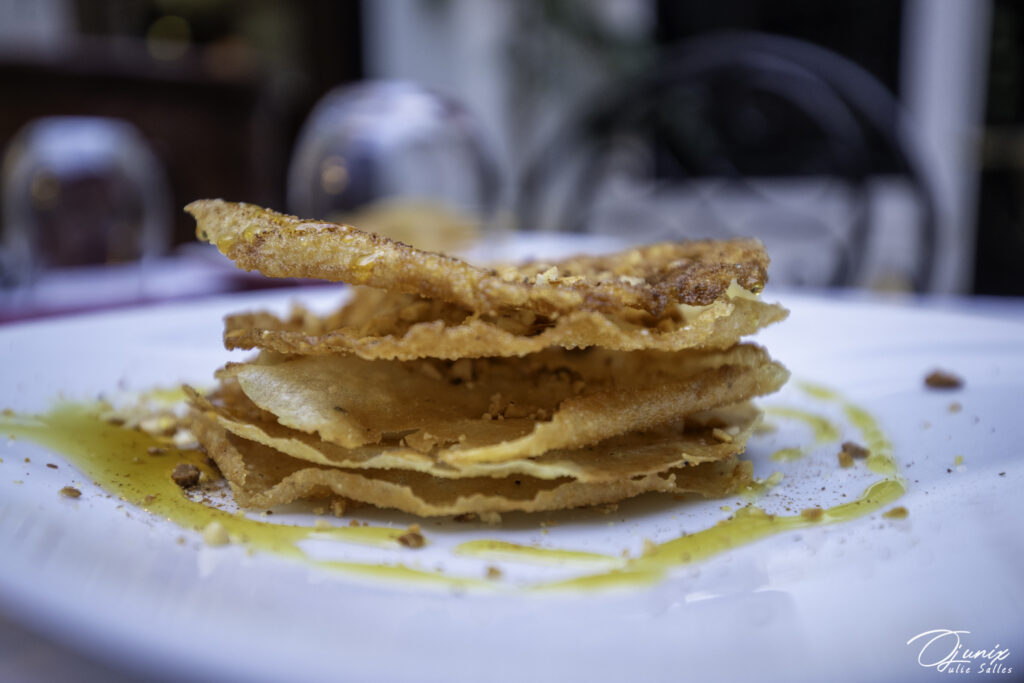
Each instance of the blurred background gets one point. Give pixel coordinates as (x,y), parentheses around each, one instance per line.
(873,144)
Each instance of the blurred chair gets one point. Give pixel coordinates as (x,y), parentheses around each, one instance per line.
(396,158)
(80,191)
(742,134)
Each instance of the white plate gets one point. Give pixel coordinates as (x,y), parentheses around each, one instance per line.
(835,602)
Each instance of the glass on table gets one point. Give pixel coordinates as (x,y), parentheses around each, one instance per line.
(79,191)
(395,158)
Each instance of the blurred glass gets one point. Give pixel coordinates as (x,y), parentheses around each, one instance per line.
(80,191)
(395,158)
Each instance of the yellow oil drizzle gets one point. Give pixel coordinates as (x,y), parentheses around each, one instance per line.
(503,550)
(824,429)
(381,536)
(751,523)
(136,467)
(626,577)
(167,395)
(747,525)
(819,392)
(880,460)
(788,454)
(757,488)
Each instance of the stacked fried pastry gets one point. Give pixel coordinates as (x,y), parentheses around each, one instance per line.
(443,388)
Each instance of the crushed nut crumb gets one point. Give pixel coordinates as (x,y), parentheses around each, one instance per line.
(490,517)
(493,572)
(214,534)
(184,439)
(422,441)
(845,459)
(412,538)
(898,512)
(70,492)
(549,275)
(940,379)
(855,450)
(812,514)
(721,435)
(185,475)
